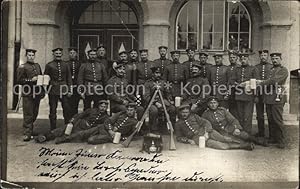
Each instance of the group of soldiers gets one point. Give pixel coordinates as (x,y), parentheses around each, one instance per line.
(224,118)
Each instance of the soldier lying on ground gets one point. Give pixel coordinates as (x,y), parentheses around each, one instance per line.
(227,125)
(81,123)
(191,126)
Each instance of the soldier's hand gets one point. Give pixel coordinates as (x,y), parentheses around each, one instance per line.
(69,94)
(35,78)
(112,133)
(172,102)
(194,106)
(191,142)
(158,105)
(258,82)
(236,132)
(125,102)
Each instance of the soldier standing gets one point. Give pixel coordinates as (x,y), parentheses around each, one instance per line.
(244,95)
(102,59)
(163,61)
(191,60)
(133,61)
(218,77)
(197,91)
(27,74)
(74,65)
(203,62)
(123,56)
(60,83)
(156,108)
(264,69)
(93,77)
(275,98)
(144,67)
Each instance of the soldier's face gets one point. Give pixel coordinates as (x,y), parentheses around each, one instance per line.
(276,60)
(121,71)
(130,111)
(101,52)
(233,58)
(73,55)
(185,113)
(264,57)
(30,56)
(157,75)
(144,56)
(92,55)
(163,52)
(102,107)
(191,54)
(175,57)
(133,55)
(213,105)
(244,60)
(123,57)
(203,59)
(57,55)
(218,60)
(195,70)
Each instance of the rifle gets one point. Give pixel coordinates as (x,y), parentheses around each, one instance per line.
(140,123)
(169,123)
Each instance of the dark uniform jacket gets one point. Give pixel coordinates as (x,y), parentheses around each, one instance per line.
(25,73)
(60,74)
(120,122)
(74,68)
(194,125)
(277,76)
(264,70)
(232,69)
(150,89)
(219,76)
(242,74)
(144,71)
(118,95)
(107,65)
(188,64)
(205,69)
(162,63)
(132,66)
(194,97)
(221,120)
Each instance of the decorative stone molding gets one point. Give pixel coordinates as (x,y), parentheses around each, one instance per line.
(285,23)
(155,22)
(42,22)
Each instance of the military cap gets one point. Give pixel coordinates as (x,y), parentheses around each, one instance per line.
(162,47)
(175,52)
(212,98)
(244,54)
(263,51)
(103,102)
(122,52)
(133,50)
(190,49)
(218,54)
(156,69)
(234,52)
(184,106)
(101,46)
(203,53)
(275,54)
(73,48)
(143,50)
(196,65)
(30,50)
(118,65)
(92,50)
(131,105)
(57,49)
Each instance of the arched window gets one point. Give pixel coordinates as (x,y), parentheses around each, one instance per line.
(213,25)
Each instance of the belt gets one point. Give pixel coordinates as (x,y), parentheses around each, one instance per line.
(90,80)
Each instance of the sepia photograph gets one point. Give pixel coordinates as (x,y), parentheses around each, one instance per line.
(150,94)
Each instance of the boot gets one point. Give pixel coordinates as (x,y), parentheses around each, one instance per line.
(245,146)
(259,140)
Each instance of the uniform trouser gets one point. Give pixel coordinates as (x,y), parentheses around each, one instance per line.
(120,107)
(275,119)
(53,101)
(232,105)
(154,113)
(101,137)
(74,102)
(245,113)
(260,110)
(87,102)
(30,113)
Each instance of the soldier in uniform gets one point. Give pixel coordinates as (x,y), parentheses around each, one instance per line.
(60,83)
(102,59)
(176,75)
(74,65)
(203,57)
(92,77)
(118,92)
(264,69)
(275,98)
(191,126)
(84,125)
(144,67)
(233,59)
(157,108)
(163,61)
(133,61)
(191,60)
(123,122)
(244,95)
(218,77)
(27,74)
(197,91)
(123,56)
(224,122)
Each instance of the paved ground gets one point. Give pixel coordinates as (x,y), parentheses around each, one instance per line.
(264,164)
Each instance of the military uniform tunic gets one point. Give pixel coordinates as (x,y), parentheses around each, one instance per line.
(162,63)
(188,64)
(232,105)
(144,71)
(205,69)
